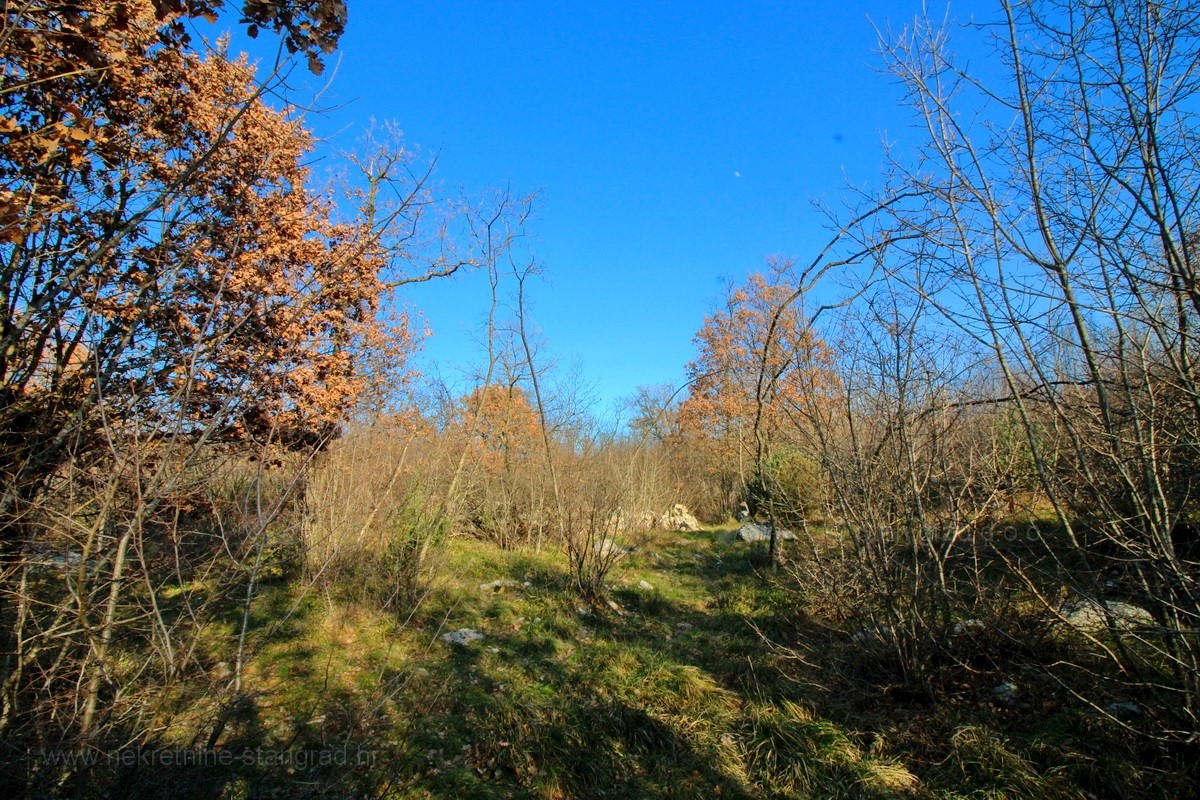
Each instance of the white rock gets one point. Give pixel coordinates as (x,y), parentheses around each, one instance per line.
(62,559)
(621,522)
(462,636)
(1089,616)
(607,548)
(678,518)
(646,586)
(1124,710)
(498,585)
(754,532)
(873,635)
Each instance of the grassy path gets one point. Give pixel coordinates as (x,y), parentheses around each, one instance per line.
(674,692)
(671,693)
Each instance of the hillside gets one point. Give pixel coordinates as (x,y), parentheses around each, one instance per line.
(678,688)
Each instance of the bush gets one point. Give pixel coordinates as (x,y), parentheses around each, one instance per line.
(790,489)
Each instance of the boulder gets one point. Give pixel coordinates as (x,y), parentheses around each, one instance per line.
(499,585)
(462,636)
(679,519)
(875,634)
(1124,710)
(755,532)
(62,559)
(967,626)
(617,521)
(1089,616)
(621,522)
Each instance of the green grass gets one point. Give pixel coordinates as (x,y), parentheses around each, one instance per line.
(673,692)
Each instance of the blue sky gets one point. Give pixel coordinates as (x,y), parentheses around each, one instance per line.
(674,146)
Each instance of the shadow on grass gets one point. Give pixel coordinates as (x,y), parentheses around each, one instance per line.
(675,692)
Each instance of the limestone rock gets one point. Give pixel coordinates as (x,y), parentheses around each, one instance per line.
(679,519)
(462,636)
(755,532)
(622,522)
(499,585)
(876,634)
(1089,616)
(1124,710)
(606,548)
(1005,694)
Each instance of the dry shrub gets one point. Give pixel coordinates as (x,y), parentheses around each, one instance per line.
(370,518)
(137,555)
(911,470)
(612,493)
(1086,308)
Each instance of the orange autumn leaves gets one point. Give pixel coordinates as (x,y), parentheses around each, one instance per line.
(759,363)
(268,295)
(501,426)
(79,76)
(155,215)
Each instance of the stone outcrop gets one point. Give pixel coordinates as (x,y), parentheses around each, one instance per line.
(621,522)
(678,518)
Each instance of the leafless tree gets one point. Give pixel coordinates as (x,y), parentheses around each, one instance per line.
(1053,226)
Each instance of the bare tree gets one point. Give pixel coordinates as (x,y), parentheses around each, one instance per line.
(1055,228)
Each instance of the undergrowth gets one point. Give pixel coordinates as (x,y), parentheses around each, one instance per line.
(701,678)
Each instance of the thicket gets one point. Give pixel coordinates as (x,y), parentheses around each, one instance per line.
(1001,409)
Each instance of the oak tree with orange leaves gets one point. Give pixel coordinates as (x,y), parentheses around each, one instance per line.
(500,424)
(758,359)
(163,264)
(502,439)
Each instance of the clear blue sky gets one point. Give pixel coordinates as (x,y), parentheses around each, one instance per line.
(675,145)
